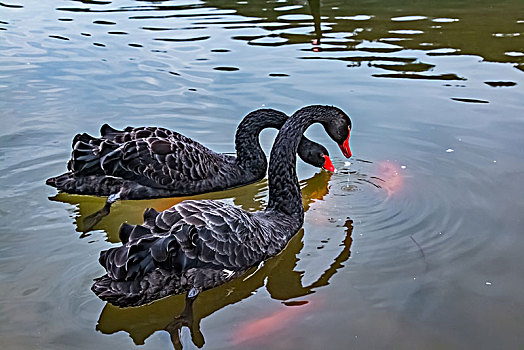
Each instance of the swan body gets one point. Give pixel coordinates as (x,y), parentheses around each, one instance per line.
(197,245)
(150,162)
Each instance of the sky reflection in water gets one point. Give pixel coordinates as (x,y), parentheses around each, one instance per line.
(409,246)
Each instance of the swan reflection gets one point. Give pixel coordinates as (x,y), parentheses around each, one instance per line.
(250,198)
(277,275)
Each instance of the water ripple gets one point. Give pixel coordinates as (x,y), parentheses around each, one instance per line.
(430,200)
(14,6)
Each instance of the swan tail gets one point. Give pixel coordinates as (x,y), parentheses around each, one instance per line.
(142,251)
(100,185)
(158,284)
(135,273)
(93,156)
(108,132)
(143,269)
(151,265)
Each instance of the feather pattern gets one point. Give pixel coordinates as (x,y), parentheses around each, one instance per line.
(198,239)
(197,245)
(149,162)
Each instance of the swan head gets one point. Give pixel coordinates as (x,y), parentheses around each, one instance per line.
(336,123)
(338,127)
(315,154)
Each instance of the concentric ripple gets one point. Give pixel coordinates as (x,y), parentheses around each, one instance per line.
(416,241)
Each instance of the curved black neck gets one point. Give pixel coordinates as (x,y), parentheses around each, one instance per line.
(284,190)
(247,145)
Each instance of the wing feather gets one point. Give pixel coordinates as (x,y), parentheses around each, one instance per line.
(154,157)
(188,235)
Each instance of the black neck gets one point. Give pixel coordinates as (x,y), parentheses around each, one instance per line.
(284,190)
(249,153)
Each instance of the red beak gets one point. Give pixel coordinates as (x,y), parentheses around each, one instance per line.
(345,147)
(328,165)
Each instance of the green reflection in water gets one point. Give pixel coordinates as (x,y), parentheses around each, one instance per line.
(383,30)
(170,314)
(250,198)
(278,274)
(492,31)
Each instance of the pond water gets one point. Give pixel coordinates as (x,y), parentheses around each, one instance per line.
(416,242)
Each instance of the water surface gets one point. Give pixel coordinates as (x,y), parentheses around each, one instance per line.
(416,242)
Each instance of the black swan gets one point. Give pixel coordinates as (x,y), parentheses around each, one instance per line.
(152,162)
(197,245)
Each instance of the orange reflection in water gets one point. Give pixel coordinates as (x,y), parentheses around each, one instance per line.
(255,331)
(390,174)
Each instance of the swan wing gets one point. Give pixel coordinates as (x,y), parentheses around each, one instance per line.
(191,234)
(134,133)
(221,234)
(154,157)
(163,162)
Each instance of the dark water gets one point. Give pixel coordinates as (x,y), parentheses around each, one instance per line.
(415,244)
